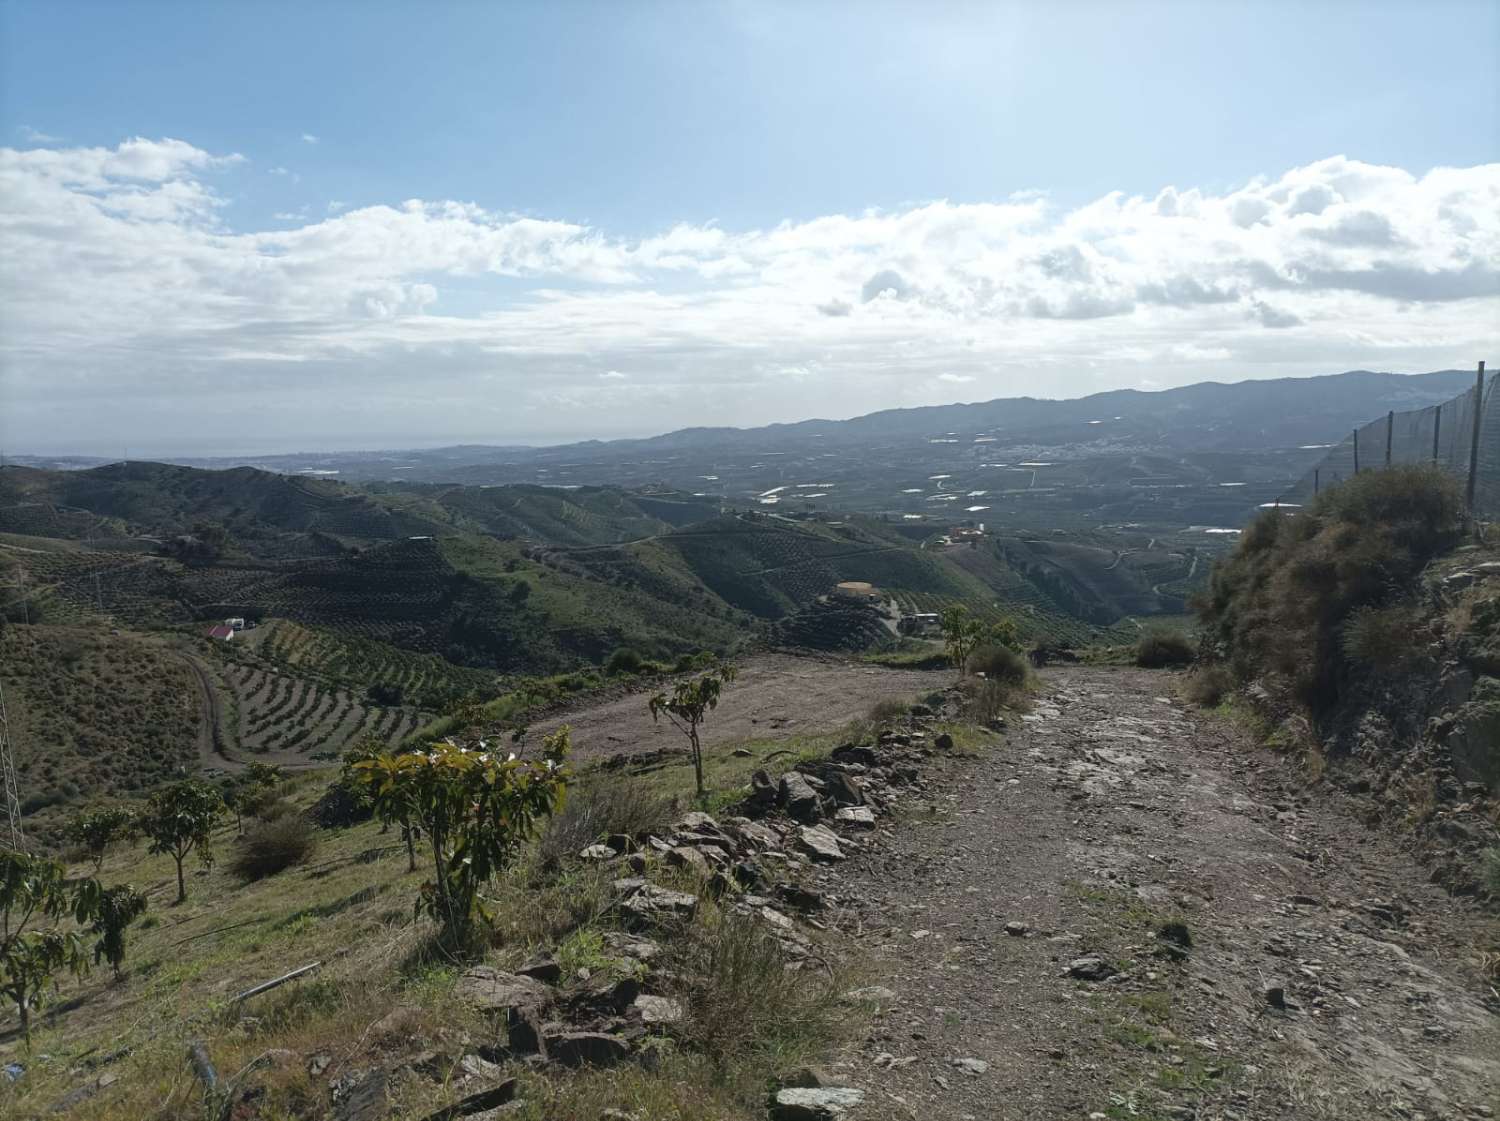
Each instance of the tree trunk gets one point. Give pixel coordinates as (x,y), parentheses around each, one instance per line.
(411,850)
(181,886)
(697,759)
(24,1007)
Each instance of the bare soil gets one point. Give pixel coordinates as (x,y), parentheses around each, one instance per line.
(1321,974)
(774,696)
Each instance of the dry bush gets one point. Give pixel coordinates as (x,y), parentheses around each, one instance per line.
(597,807)
(986,701)
(744,1006)
(1387,639)
(1159,648)
(1489,870)
(1000,663)
(1207,687)
(273,846)
(1278,604)
(883,712)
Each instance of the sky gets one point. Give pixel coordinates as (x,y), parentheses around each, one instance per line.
(238,228)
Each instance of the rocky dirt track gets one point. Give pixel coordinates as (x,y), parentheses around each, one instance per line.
(1128,909)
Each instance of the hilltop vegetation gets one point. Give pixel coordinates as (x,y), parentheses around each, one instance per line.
(94,714)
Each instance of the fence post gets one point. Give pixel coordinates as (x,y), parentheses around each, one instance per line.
(1390,428)
(1474,443)
(1316,472)
(1437,429)
(1356,451)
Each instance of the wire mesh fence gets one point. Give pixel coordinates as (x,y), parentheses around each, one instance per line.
(1443,435)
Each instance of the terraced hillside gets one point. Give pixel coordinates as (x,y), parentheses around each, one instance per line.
(287,717)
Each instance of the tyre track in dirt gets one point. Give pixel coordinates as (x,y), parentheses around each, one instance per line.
(1327,978)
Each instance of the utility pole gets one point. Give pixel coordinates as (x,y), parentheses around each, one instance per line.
(1474,443)
(12,787)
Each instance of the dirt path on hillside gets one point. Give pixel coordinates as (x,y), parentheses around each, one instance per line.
(1326,978)
(774,696)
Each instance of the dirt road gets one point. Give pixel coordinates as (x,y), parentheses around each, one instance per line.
(775,695)
(1026,928)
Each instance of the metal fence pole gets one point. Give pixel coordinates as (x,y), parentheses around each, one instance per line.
(1474,443)
(1390,429)
(1356,451)
(1437,428)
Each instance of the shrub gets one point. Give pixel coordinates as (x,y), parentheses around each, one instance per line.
(1161,648)
(743,1004)
(1383,638)
(1489,870)
(1000,663)
(1208,686)
(883,712)
(97,830)
(179,819)
(624,660)
(475,807)
(986,701)
(269,847)
(596,809)
(1277,606)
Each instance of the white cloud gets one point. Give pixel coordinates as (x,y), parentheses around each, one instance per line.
(37,136)
(613,375)
(309,138)
(124,289)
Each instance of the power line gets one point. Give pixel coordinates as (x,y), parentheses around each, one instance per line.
(12,787)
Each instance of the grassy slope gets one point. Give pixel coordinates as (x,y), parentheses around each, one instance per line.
(94,714)
(350,908)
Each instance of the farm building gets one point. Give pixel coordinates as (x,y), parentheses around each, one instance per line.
(924,622)
(221,631)
(235,623)
(857,590)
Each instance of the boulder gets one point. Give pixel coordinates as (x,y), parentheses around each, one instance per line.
(361,1097)
(795,795)
(1092,968)
(484,1100)
(657,904)
(820,843)
(844,789)
(856,753)
(690,858)
(814,1103)
(597,852)
(496,991)
(943,742)
(655,1011)
(586,1048)
(697,822)
(856,817)
(543,968)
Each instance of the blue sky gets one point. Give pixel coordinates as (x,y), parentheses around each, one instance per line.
(626,121)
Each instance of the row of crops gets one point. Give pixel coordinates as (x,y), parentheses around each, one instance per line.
(344,658)
(276,712)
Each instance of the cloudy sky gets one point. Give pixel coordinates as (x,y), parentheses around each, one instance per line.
(242,228)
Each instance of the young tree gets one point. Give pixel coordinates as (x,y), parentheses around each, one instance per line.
(98,829)
(34,888)
(119,906)
(960,634)
(476,806)
(1004,632)
(688,706)
(181,818)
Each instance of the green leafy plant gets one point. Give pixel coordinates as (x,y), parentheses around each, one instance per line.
(476,806)
(1159,648)
(180,819)
(119,906)
(688,705)
(961,634)
(96,830)
(268,847)
(34,888)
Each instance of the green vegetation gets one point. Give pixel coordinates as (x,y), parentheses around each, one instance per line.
(97,830)
(961,634)
(1159,649)
(117,908)
(1280,603)
(35,888)
(273,846)
(1208,686)
(475,809)
(999,663)
(179,819)
(688,705)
